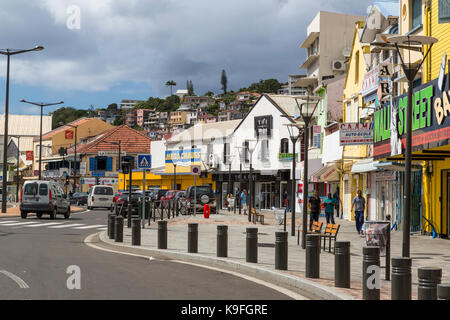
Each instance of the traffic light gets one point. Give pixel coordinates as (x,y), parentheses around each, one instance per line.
(125,167)
(67,180)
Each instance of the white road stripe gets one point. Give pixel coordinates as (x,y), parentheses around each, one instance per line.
(9,221)
(22,284)
(43,224)
(90,227)
(18,223)
(67,225)
(102,229)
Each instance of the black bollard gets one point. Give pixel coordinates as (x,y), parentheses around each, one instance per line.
(401,279)
(281,250)
(135,232)
(111,220)
(371,268)
(312,256)
(222,241)
(168,208)
(429,278)
(342,264)
(162,234)
(129,214)
(192,237)
(252,245)
(118,229)
(443,291)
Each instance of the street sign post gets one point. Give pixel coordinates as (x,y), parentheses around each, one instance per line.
(144,162)
(195,170)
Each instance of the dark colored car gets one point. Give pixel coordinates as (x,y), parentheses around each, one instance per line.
(79,198)
(122,202)
(199,196)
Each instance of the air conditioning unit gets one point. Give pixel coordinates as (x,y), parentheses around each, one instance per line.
(212,162)
(338,65)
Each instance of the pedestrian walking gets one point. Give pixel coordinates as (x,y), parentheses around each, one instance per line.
(314,206)
(329,208)
(244,201)
(337,201)
(359,203)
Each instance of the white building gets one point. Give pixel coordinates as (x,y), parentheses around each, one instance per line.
(129,104)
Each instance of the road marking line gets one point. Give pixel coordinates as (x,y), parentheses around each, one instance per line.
(66,225)
(22,284)
(43,224)
(9,221)
(90,227)
(18,223)
(102,229)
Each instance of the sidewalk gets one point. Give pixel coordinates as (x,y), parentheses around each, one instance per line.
(425,251)
(15,211)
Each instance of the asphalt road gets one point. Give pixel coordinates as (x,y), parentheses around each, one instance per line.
(35,258)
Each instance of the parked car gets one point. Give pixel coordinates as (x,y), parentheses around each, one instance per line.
(168,196)
(101,197)
(79,198)
(43,197)
(153,194)
(199,196)
(122,203)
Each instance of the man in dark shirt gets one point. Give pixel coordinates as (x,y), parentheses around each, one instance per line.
(314,206)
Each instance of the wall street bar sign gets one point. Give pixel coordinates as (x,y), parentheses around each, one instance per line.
(263,126)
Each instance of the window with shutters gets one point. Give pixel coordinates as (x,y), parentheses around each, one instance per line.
(265,150)
(246,152)
(284,145)
(100,163)
(444,11)
(226,153)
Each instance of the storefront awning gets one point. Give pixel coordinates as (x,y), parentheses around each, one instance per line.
(396,166)
(333,150)
(328,173)
(366,165)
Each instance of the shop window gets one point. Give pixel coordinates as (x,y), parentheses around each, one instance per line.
(226,153)
(416,14)
(246,152)
(444,11)
(356,110)
(284,145)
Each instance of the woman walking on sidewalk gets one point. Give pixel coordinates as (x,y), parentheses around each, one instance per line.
(244,200)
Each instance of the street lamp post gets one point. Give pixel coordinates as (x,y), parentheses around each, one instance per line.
(174,176)
(294,139)
(410,70)
(8,53)
(75,166)
(18,163)
(42,105)
(306,114)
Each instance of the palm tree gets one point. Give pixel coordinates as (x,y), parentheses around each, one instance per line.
(170,84)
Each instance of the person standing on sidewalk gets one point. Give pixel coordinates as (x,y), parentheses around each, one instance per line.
(359,203)
(314,206)
(329,208)
(336,198)
(244,201)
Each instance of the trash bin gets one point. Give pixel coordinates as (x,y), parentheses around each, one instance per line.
(279,215)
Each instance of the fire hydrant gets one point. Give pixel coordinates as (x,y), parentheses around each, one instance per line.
(206,211)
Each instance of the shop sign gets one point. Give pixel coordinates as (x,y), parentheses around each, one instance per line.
(29,155)
(430,121)
(284,157)
(354,133)
(263,126)
(183,157)
(68,134)
(370,82)
(385,176)
(88,180)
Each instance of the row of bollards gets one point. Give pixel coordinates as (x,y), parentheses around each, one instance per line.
(429,286)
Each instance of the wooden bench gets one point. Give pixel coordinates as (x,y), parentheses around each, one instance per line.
(257,217)
(331,232)
(315,228)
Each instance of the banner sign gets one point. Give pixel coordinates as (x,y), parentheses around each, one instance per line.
(183,157)
(29,155)
(286,157)
(69,134)
(354,133)
(430,121)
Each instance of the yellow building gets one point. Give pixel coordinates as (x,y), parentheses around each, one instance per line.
(353,103)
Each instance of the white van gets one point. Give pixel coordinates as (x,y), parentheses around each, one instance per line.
(42,196)
(101,197)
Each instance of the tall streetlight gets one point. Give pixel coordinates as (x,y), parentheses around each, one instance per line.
(18,164)
(307,109)
(42,105)
(75,166)
(9,53)
(410,70)
(294,138)
(251,192)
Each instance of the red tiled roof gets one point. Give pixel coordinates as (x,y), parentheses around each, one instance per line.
(131,141)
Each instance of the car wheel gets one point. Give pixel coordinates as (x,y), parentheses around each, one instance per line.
(23,214)
(53,214)
(39,215)
(67,213)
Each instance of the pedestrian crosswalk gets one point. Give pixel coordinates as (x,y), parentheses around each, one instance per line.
(16,224)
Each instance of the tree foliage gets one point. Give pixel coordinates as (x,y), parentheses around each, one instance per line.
(171,103)
(265,86)
(66,115)
(190,87)
(171,84)
(224,81)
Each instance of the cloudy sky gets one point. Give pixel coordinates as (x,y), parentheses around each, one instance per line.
(121,49)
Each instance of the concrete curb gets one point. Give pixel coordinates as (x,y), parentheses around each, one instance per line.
(317,291)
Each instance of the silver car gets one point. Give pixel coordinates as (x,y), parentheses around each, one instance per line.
(43,197)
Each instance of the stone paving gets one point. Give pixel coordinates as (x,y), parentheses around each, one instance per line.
(425,251)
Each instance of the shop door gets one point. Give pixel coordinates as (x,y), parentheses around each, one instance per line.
(416,202)
(267,195)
